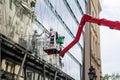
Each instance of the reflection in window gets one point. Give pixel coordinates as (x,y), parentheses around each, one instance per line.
(71,67)
(83,5)
(76,52)
(75,9)
(48,19)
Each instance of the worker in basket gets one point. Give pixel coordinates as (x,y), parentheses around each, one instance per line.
(53,37)
(55,43)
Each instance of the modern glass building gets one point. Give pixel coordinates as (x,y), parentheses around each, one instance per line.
(64,17)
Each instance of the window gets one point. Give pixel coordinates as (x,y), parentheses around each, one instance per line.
(10,67)
(36,76)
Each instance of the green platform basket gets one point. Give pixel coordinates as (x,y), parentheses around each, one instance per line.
(60,40)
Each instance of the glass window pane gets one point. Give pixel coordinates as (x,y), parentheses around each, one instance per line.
(82,3)
(74,69)
(75,9)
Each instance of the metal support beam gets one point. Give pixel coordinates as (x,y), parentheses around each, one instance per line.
(44,72)
(55,75)
(21,67)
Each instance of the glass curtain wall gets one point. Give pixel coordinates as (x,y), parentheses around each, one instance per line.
(64,17)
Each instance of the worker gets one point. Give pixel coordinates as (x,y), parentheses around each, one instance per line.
(34,42)
(53,36)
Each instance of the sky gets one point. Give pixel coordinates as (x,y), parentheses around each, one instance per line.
(109,38)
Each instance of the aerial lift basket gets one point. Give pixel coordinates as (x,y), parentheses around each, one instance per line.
(53,47)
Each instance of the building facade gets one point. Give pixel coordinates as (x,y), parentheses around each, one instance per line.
(64,17)
(18,60)
(18,21)
(92,41)
(17,25)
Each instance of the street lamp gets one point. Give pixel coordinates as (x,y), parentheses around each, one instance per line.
(92,73)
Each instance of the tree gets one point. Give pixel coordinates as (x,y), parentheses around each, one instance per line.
(114,76)
(106,77)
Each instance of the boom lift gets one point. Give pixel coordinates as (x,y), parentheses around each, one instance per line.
(87,18)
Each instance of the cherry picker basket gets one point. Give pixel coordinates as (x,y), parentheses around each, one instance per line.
(51,46)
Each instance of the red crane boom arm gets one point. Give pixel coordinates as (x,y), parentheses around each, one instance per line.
(87,18)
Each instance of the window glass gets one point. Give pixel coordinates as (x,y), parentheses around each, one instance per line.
(48,19)
(75,9)
(65,15)
(9,67)
(83,6)
(76,52)
(43,13)
(81,41)
(74,69)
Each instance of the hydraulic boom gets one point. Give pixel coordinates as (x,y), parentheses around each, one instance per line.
(87,18)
